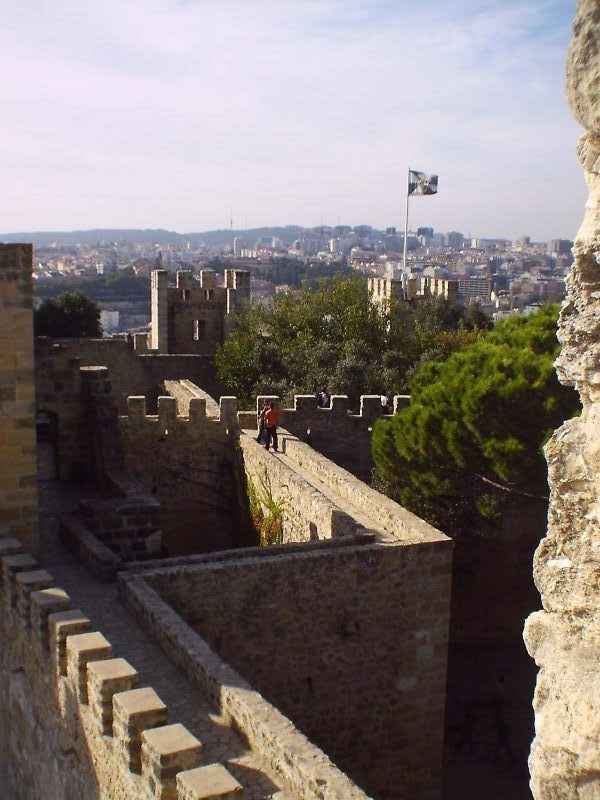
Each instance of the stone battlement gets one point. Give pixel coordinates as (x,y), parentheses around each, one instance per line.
(96,700)
(169,422)
(337,432)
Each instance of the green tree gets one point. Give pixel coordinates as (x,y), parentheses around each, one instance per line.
(330,334)
(70,315)
(472,437)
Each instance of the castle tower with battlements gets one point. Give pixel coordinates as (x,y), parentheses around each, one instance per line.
(192,317)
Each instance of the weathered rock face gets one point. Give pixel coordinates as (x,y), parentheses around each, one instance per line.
(564,638)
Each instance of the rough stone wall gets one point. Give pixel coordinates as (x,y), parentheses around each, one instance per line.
(307,514)
(348,642)
(76,721)
(305,771)
(18,466)
(58,394)
(564,638)
(130,372)
(187,463)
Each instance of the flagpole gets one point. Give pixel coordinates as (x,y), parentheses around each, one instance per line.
(406,221)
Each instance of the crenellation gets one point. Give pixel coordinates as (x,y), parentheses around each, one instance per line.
(82,648)
(197,413)
(27,582)
(11,566)
(135,711)
(45,602)
(167,413)
(105,679)
(167,751)
(370,407)
(136,408)
(62,624)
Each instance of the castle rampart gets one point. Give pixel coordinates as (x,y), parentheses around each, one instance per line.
(76,720)
(342,436)
(376,632)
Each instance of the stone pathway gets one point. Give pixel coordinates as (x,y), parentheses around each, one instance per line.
(186,702)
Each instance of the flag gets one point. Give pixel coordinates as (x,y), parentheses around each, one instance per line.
(420,183)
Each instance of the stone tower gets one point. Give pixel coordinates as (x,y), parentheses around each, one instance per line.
(193,316)
(159,287)
(564,638)
(18,467)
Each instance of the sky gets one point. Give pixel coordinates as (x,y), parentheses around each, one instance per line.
(184,114)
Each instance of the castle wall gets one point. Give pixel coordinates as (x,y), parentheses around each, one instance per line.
(187,463)
(76,720)
(340,435)
(18,465)
(130,373)
(348,642)
(564,638)
(307,514)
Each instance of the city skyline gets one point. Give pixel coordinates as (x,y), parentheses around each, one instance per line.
(180,115)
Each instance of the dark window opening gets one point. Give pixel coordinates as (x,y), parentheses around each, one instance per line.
(199,329)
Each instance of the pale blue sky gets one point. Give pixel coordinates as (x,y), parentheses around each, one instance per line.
(169,113)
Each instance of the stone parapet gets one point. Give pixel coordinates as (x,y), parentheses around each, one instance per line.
(69,677)
(335,431)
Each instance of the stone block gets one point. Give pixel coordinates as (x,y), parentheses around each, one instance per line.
(167,413)
(82,648)
(136,408)
(228,408)
(197,411)
(27,582)
(44,603)
(105,679)
(133,712)
(11,566)
(61,625)
(165,752)
(213,782)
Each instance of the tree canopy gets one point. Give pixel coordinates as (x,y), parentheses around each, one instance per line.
(333,336)
(70,315)
(473,433)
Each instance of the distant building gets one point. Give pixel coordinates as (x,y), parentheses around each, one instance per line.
(455,240)
(474,288)
(560,247)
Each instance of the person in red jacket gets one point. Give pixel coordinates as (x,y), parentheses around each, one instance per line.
(271,422)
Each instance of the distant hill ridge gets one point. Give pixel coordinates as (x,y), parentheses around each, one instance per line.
(151,235)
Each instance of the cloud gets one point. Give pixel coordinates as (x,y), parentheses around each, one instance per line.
(164,113)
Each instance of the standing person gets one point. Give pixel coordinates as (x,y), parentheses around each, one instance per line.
(262,423)
(271,421)
(323,398)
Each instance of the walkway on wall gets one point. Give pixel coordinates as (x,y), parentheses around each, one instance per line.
(359,515)
(186,703)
